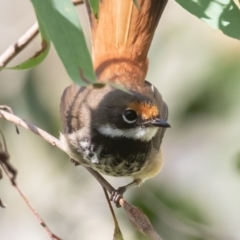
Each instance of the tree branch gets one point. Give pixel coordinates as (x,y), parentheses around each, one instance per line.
(42,223)
(52,140)
(17,47)
(13,50)
(135,215)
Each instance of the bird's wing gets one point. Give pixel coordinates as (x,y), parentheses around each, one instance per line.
(68,108)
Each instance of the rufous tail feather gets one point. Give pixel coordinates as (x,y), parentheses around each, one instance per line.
(121,37)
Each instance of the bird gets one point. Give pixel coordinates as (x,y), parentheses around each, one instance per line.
(118,132)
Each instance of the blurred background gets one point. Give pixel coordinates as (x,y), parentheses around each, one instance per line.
(197,194)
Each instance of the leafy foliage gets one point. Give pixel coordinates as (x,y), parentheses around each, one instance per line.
(222,14)
(60,20)
(94,4)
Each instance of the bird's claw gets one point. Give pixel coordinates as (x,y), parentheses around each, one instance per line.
(116,195)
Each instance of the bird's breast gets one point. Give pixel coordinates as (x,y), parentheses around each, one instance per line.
(118,157)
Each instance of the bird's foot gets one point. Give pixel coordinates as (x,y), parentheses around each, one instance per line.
(117,195)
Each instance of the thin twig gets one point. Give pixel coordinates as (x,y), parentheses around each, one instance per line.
(55,142)
(14,183)
(8,109)
(20,122)
(112,211)
(17,47)
(13,50)
(4,158)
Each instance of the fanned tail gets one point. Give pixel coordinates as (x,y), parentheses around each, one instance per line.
(121,37)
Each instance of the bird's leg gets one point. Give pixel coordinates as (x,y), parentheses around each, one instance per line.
(117,194)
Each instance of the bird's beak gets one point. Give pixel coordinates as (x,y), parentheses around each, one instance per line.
(160,123)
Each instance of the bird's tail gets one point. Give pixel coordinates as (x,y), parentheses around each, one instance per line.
(121,36)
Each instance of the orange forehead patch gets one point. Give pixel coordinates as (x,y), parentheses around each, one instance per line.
(145,110)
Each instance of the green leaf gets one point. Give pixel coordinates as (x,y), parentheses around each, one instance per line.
(60,20)
(94,4)
(221,14)
(117,86)
(140,221)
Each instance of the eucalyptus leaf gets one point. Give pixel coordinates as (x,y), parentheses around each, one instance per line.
(140,221)
(117,86)
(94,4)
(222,14)
(60,20)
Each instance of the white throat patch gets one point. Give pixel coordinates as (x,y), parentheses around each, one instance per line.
(137,133)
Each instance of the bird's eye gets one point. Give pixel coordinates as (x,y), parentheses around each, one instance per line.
(129,116)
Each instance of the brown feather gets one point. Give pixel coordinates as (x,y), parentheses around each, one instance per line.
(70,101)
(146,111)
(121,37)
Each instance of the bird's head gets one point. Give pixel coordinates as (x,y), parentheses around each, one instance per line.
(135,116)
